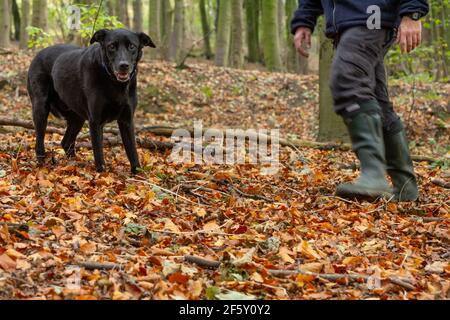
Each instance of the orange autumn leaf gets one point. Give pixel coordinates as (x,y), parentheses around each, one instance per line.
(6,263)
(178,277)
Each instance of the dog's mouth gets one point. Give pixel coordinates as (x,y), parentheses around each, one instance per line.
(122,76)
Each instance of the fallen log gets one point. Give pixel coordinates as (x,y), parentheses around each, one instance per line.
(167,131)
(7,122)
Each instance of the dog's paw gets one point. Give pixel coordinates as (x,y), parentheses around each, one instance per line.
(100,169)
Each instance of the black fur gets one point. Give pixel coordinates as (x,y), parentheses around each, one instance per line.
(95,84)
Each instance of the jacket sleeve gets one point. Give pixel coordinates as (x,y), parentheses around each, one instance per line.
(411,6)
(306,15)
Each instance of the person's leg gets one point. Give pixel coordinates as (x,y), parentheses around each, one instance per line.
(399,164)
(353,88)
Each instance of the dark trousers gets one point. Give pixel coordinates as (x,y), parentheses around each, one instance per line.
(358,74)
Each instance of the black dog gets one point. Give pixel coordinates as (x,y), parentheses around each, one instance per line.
(95,84)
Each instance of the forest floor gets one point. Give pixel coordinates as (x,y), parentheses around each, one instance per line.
(125,237)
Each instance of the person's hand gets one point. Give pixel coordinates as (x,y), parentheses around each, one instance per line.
(409,34)
(302,40)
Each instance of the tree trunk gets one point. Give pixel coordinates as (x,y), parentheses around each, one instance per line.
(281,13)
(166,27)
(137,15)
(271,41)
(206,30)
(24,24)
(252,14)
(4,23)
(109,7)
(331,126)
(223,33)
(39,17)
(445,40)
(122,12)
(16,19)
(237,34)
(294,61)
(154,23)
(176,41)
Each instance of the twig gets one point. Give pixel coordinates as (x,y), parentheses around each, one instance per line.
(191,187)
(339,276)
(163,189)
(427,219)
(90,265)
(182,62)
(15,227)
(241,193)
(202,262)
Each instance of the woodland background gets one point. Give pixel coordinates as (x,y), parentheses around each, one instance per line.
(216,232)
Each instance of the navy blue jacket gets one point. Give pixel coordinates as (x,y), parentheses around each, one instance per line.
(342,14)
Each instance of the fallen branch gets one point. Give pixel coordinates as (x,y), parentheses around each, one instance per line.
(242,193)
(339,276)
(144,143)
(90,265)
(15,227)
(27,125)
(163,189)
(166,131)
(441,183)
(202,262)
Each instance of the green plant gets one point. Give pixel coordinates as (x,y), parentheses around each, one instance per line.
(89,19)
(38,38)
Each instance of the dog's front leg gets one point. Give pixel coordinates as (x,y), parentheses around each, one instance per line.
(127,133)
(96,132)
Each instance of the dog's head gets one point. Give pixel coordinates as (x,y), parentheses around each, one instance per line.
(122,50)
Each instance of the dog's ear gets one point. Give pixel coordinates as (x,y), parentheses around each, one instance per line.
(145,40)
(99,35)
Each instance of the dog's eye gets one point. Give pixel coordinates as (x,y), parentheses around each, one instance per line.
(111,47)
(131,46)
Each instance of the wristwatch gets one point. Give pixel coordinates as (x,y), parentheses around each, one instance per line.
(414,15)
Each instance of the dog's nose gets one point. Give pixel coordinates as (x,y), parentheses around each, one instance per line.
(124,66)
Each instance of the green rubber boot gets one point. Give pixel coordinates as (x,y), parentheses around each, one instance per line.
(400,167)
(366,134)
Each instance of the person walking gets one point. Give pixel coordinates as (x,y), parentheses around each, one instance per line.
(363,31)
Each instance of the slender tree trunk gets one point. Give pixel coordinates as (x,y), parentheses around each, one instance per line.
(206,30)
(166,27)
(122,12)
(237,34)
(4,23)
(444,41)
(252,14)
(137,15)
(154,23)
(176,41)
(271,41)
(24,24)
(109,7)
(223,33)
(331,126)
(39,17)
(281,13)
(294,61)
(16,17)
